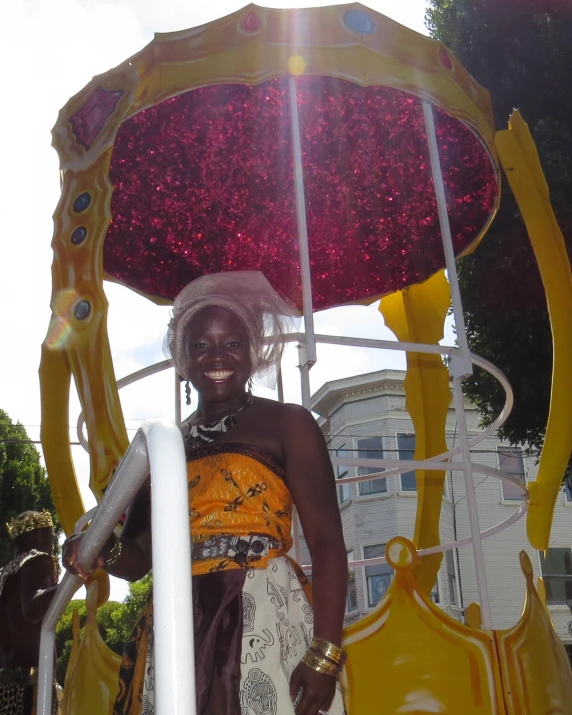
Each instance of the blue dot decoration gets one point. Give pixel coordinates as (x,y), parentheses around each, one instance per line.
(82,202)
(82,310)
(79,235)
(359,22)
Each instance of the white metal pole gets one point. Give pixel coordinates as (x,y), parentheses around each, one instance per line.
(472,507)
(177,398)
(302,224)
(307,350)
(280,384)
(447,239)
(131,473)
(460,365)
(304,368)
(63,596)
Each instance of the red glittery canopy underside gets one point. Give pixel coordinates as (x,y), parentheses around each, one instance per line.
(204,183)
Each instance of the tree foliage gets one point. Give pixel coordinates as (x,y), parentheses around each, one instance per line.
(520,50)
(115,621)
(23,481)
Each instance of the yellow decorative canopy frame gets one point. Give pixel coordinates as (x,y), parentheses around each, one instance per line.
(249,47)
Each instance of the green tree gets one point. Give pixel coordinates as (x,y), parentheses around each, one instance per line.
(23,481)
(115,621)
(520,50)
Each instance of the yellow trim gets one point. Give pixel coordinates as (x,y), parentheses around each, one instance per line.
(417,315)
(519,159)
(219,52)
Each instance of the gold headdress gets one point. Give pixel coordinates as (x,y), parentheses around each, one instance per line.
(29,521)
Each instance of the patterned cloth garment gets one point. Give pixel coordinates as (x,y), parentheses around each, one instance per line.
(19,692)
(251,603)
(12,567)
(18,686)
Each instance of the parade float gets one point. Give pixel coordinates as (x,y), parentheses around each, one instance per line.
(351,160)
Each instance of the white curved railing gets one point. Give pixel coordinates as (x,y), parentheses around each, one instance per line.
(394,467)
(157,449)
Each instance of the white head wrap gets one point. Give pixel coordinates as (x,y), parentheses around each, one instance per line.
(247,294)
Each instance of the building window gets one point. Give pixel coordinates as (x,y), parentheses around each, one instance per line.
(451,577)
(511,462)
(557,575)
(377,578)
(351,598)
(406,450)
(435,596)
(568,489)
(371,448)
(342,472)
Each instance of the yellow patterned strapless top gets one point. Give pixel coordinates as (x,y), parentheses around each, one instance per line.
(240,508)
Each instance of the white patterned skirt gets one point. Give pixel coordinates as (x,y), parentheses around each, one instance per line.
(277,628)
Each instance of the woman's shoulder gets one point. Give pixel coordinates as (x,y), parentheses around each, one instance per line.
(289,420)
(286,411)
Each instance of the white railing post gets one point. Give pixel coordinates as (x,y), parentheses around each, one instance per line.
(460,365)
(448,249)
(172,597)
(310,340)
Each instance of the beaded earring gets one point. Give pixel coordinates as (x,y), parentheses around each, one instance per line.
(188,392)
(250,383)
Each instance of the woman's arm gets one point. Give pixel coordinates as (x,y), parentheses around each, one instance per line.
(38,584)
(135,559)
(312,484)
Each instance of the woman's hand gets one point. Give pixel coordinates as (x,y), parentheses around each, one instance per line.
(69,556)
(318,690)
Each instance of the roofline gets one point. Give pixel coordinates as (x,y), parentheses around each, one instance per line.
(329,391)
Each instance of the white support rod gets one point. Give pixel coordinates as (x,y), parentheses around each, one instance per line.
(177,399)
(113,506)
(481,362)
(296,535)
(442,548)
(472,507)
(68,586)
(381,344)
(447,239)
(407,466)
(302,224)
(160,443)
(280,385)
(304,367)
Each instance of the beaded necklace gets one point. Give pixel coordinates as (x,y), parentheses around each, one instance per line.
(196,436)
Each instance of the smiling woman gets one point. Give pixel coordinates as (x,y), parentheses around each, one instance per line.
(259,645)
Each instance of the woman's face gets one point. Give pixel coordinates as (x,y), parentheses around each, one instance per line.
(218,350)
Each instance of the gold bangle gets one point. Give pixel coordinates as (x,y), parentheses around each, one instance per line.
(319,668)
(320,665)
(328,665)
(328,650)
(115,552)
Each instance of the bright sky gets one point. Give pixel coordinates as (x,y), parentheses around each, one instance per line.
(49,51)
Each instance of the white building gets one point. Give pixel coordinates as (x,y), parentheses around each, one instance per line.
(365,416)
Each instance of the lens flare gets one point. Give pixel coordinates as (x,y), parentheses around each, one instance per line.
(296,65)
(60,327)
